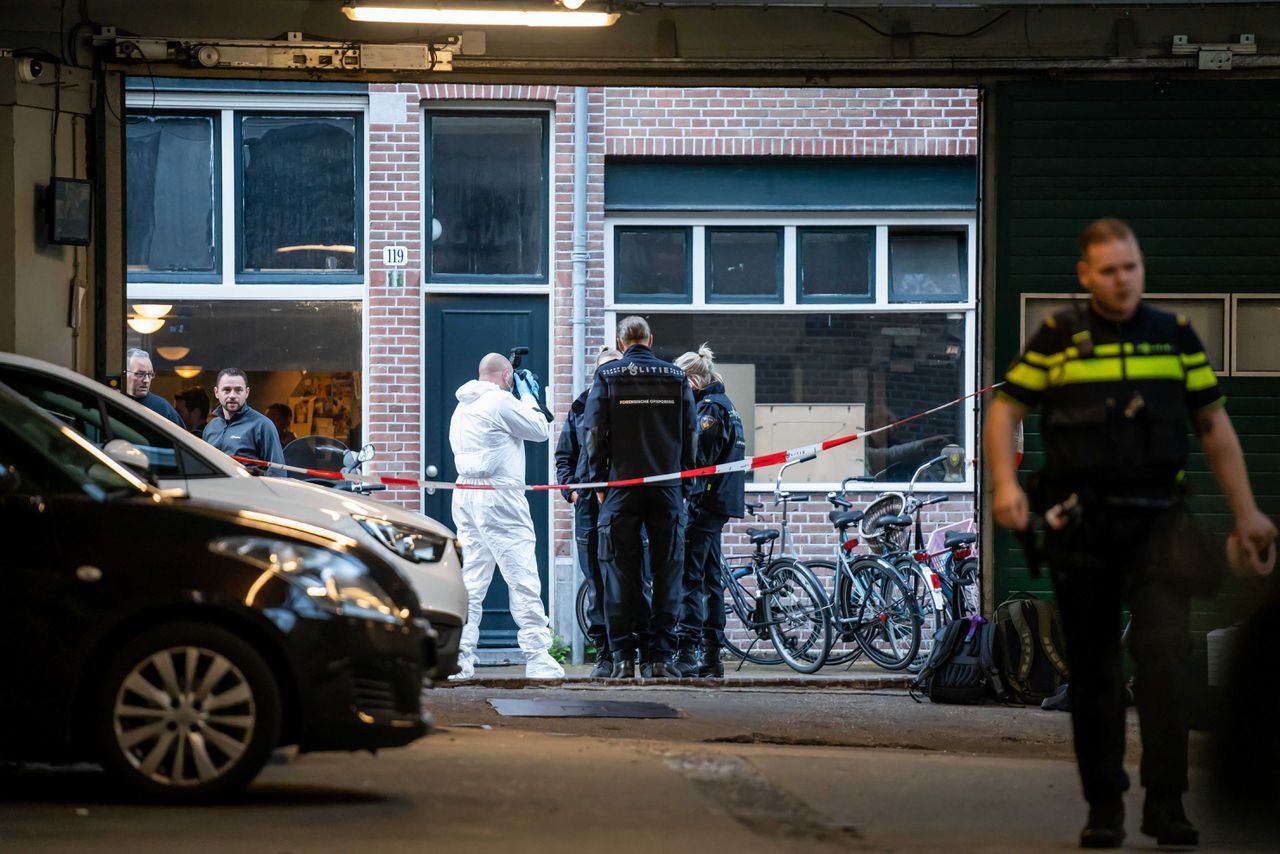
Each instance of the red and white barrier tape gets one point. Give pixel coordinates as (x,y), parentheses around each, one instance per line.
(749,463)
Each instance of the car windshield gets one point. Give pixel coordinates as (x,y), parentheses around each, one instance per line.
(97,474)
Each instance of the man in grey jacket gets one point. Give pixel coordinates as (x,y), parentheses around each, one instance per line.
(237,429)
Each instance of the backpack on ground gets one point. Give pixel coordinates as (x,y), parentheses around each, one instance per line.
(1028,649)
(962,666)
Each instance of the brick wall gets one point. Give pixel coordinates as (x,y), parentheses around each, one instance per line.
(622,122)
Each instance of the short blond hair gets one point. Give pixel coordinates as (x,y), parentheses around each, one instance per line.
(606,355)
(1104,230)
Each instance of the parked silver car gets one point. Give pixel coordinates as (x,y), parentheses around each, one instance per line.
(424,550)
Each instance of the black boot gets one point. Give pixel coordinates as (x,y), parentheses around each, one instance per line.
(711,666)
(1105,828)
(654,668)
(624,666)
(604,665)
(1164,818)
(684,663)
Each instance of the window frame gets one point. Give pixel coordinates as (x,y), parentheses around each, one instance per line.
(870,297)
(343,277)
(1232,342)
(779,265)
(447,282)
(965,221)
(215,277)
(688,272)
(912,231)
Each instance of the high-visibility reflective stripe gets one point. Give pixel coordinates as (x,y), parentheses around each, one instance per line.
(1190,360)
(1115,369)
(1038,359)
(1201,378)
(1028,377)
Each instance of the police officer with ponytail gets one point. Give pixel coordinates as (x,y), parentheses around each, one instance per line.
(715,499)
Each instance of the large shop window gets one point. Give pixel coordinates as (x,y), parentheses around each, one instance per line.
(303,356)
(172,168)
(488,191)
(798,378)
(293,211)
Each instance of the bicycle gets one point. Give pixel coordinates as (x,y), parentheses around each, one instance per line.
(785,601)
(872,603)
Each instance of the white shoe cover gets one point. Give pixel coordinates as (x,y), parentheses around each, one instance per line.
(541,665)
(468,670)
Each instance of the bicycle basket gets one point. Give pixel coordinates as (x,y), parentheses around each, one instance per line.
(893,539)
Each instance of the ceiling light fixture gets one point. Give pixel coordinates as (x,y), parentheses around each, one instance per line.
(145,325)
(173,354)
(151,309)
(389,13)
(188,371)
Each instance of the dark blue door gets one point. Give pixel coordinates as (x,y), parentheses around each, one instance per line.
(460,330)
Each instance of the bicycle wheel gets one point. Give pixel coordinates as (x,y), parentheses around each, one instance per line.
(581,610)
(799,615)
(885,617)
(744,635)
(932,618)
(844,648)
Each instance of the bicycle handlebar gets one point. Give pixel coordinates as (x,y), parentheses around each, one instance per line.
(838,501)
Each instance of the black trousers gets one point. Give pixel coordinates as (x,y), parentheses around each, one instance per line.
(586,514)
(625,515)
(702,610)
(1098,565)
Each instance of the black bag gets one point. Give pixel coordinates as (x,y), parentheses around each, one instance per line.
(962,666)
(1028,650)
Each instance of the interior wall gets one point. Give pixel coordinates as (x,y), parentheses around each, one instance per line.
(36,276)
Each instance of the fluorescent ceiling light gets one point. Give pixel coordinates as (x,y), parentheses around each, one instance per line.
(391,14)
(173,354)
(145,325)
(151,309)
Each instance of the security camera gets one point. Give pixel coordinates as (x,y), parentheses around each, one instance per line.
(30,70)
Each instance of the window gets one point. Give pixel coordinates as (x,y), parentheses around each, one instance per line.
(744,264)
(836,264)
(1257,346)
(652,264)
(76,408)
(807,331)
(301,357)
(488,190)
(172,169)
(800,377)
(292,212)
(298,188)
(927,267)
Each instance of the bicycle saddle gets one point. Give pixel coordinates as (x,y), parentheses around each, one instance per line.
(760,536)
(844,518)
(956,538)
(900,521)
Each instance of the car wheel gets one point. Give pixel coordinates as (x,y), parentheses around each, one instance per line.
(187,712)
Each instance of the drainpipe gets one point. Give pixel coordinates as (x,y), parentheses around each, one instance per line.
(579,282)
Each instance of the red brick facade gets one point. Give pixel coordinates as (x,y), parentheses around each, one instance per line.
(622,122)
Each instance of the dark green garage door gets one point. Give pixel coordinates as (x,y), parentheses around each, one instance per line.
(1195,168)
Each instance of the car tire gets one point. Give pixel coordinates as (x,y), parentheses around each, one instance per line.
(186,713)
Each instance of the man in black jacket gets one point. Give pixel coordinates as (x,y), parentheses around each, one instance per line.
(639,422)
(571,467)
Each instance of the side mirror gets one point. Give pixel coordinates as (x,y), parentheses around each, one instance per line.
(128,455)
(367,453)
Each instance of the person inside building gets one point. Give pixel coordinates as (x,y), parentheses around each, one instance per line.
(238,429)
(487,434)
(138,374)
(281,416)
(192,405)
(639,420)
(714,501)
(571,467)
(1118,381)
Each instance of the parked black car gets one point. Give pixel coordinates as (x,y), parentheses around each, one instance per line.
(179,644)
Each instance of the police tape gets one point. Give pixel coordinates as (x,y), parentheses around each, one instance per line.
(759,461)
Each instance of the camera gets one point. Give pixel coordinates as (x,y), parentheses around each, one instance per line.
(30,70)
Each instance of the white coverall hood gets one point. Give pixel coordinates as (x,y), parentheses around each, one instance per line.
(487,434)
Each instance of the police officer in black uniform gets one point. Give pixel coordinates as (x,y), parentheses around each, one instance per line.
(571,467)
(638,422)
(715,500)
(1118,381)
